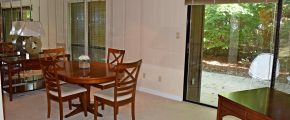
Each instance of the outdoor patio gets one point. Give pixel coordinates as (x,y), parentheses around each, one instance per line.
(215,83)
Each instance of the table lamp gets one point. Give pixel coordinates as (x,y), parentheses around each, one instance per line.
(29,33)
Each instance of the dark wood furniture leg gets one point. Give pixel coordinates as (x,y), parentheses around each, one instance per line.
(10,83)
(80,107)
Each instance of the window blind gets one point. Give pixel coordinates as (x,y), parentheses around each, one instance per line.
(77,29)
(97,23)
(97,30)
(203,2)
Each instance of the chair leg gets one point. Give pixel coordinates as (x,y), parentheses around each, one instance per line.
(10,86)
(115,112)
(84,103)
(103,106)
(60,110)
(133,110)
(117,109)
(95,108)
(69,104)
(48,108)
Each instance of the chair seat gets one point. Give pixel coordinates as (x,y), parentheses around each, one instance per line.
(69,89)
(107,83)
(62,82)
(108,94)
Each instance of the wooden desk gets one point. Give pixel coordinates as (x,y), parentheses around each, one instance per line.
(97,73)
(255,104)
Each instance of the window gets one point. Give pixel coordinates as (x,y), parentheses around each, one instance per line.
(88,29)
(224,41)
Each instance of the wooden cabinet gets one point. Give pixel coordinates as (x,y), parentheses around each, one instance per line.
(256,104)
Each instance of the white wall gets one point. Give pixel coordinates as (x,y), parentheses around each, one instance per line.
(153,30)
(54,20)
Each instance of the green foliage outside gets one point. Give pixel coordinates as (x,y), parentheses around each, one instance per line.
(254,24)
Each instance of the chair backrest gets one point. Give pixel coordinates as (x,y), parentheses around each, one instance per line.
(115,56)
(49,69)
(55,53)
(261,67)
(126,81)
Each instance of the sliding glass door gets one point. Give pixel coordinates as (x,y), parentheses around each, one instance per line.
(77,15)
(223,43)
(283,81)
(88,29)
(97,30)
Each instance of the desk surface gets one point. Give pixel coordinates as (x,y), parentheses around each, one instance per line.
(268,102)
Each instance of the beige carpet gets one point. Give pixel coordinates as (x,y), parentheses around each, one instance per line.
(32,106)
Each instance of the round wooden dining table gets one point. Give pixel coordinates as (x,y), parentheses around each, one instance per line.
(97,73)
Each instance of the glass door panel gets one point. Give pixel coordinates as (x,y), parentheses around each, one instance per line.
(88,29)
(283,81)
(233,36)
(77,29)
(97,30)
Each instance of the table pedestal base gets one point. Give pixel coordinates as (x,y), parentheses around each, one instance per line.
(80,109)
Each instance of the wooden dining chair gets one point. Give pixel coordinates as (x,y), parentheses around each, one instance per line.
(32,70)
(57,92)
(124,90)
(16,79)
(59,55)
(8,48)
(114,57)
(55,53)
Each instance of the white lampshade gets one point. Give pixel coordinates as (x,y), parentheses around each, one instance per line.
(27,28)
(16,27)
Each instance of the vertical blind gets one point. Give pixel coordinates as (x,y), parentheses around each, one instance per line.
(97,30)
(97,23)
(203,2)
(77,29)
(96,11)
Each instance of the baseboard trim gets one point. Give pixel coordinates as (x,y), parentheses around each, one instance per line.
(161,94)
